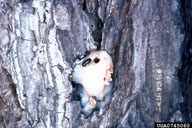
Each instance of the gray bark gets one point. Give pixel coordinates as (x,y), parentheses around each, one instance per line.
(39,40)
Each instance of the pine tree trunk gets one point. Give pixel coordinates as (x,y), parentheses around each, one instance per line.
(39,40)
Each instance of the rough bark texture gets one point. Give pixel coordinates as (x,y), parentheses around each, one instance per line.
(149,40)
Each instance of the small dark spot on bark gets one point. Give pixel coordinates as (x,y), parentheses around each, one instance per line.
(44,18)
(13,88)
(84,5)
(23,1)
(60,68)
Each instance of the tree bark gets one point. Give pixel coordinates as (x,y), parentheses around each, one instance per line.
(40,39)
